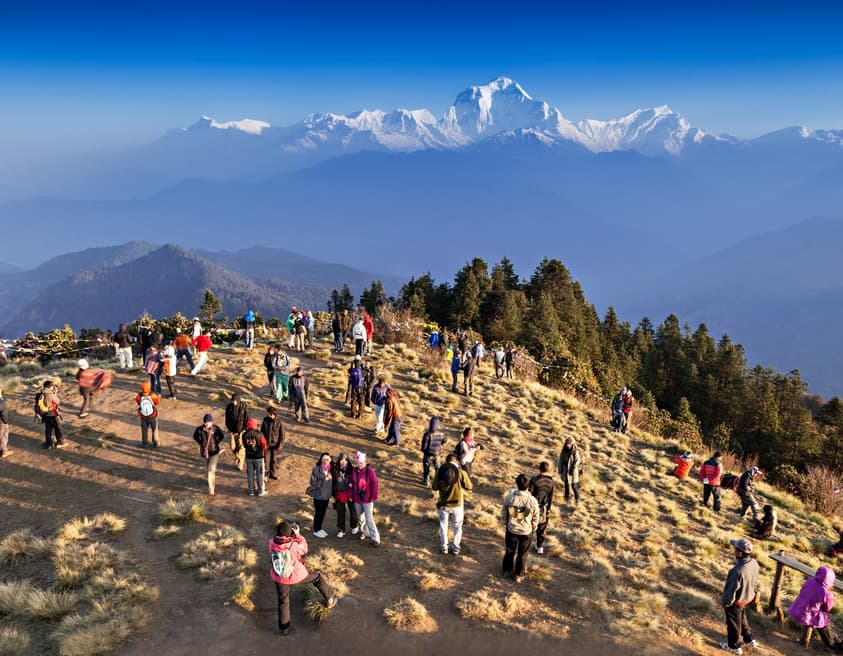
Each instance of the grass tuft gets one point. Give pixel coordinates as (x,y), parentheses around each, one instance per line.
(182,511)
(15,641)
(409,615)
(22,545)
(85,529)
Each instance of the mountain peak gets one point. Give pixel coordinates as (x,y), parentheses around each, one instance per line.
(247,125)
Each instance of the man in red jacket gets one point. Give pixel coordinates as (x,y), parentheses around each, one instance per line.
(369,325)
(203,344)
(710,472)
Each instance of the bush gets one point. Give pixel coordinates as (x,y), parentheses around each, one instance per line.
(821,490)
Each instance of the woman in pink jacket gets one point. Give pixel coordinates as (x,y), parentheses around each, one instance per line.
(286,550)
(813,604)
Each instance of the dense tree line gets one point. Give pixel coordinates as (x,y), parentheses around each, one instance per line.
(703,382)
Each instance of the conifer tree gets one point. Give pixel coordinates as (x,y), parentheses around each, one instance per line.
(210,306)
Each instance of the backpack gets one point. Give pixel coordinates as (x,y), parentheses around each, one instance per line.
(730,481)
(282,563)
(103,380)
(355,377)
(147,406)
(40,407)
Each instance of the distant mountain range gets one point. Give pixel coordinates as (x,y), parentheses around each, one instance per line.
(630,204)
(101,287)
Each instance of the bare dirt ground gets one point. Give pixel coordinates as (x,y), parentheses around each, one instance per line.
(104,468)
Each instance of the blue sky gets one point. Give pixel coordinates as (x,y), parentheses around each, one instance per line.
(106,78)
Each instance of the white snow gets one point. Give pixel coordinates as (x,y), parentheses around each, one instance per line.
(247,125)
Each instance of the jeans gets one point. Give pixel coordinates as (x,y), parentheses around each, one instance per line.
(749,502)
(283,592)
(457,512)
(393,437)
(124,357)
(155,383)
(352,514)
(87,398)
(433,460)
(572,487)
(712,491)
(320,507)
(211,469)
(250,338)
(203,360)
(338,344)
(149,424)
(736,626)
(52,425)
(455,375)
(378,418)
(366,521)
(517,548)
(184,353)
(300,406)
(254,475)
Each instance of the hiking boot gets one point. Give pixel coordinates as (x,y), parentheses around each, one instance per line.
(736,650)
(455,551)
(330,603)
(274,478)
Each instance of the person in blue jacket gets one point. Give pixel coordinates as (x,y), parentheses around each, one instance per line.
(249,320)
(456,365)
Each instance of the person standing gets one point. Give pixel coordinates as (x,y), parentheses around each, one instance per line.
(236,418)
(209,437)
(268,359)
(249,321)
(392,416)
(468,374)
(739,592)
(310,324)
(813,604)
(466,450)
(170,362)
(570,464)
(299,388)
(520,517)
(336,328)
(202,344)
(273,431)
(301,332)
(369,377)
(378,397)
(628,402)
(281,367)
(541,487)
(182,345)
(746,491)
(432,442)
(451,482)
(286,550)
(147,402)
(342,495)
(479,352)
(254,447)
(369,325)
(152,366)
(617,410)
(498,356)
(358,333)
(4,427)
(356,387)
(711,472)
(456,365)
(123,345)
(321,488)
(345,324)
(509,362)
(47,405)
(364,490)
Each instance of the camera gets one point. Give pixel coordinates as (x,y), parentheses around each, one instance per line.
(295,527)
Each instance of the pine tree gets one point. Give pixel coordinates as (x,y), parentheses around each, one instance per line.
(210,306)
(373,297)
(341,300)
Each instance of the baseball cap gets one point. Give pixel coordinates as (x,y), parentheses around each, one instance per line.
(742,544)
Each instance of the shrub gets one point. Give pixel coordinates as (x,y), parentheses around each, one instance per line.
(409,615)
(821,490)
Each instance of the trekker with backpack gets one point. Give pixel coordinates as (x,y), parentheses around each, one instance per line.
(520,517)
(363,485)
(451,482)
(342,495)
(286,550)
(628,402)
(570,464)
(299,388)
(4,427)
(711,472)
(498,356)
(466,450)
(336,329)
(148,402)
(356,387)
(236,420)
(47,410)
(432,442)
(617,410)
(541,487)
(254,447)
(209,437)
(746,491)
(392,415)
(378,397)
(249,322)
(273,431)
(320,488)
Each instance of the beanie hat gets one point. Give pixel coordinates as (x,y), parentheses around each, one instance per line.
(83,364)
(718,454)
(360,457)
(146,386)
(208,418)
(252,424)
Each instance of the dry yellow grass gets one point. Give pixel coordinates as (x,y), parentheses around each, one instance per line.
(486,605)
(22,545)
(48,604)
(90,528)
(181,511)
(220,555)
(409,615)
(15,641)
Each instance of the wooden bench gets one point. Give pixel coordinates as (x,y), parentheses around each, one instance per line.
(783,561)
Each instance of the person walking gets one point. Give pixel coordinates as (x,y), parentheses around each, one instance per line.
(286,550)
(299,388)
(301,332)
(310,324)
(570,464)
(249,322)
(321,488)
(369,326)
(123,346)
(617,410)
(509,362)
(203,344)
(182,345)
(291,327)
(746,491)
(498,356)
(358,334)
(4,427)
(86,378)
(356,387)
(336,329)
(147,402)
(47,407)
(170,361)
(468,374)
(236,418)
(456,365)
(254,448)
(378,397)
(209,437)
(273,431)
(342,495)
(711,471)
(541,487)
(739,592)
(478,351)
(345,324)
(268,360)
(466,450)
(451,482)
(813,604)
(281,367)
(392,416)
(520,517)
(628,402)
(363,485)
(432,442)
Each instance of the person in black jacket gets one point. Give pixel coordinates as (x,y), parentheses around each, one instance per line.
(273,431)
(268,358)
(299,388)
(336,328)
(209,437)
(431,447)
(746,491)
(254,446)
(541,486)
(4,427)
(236,417)
(468,374)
